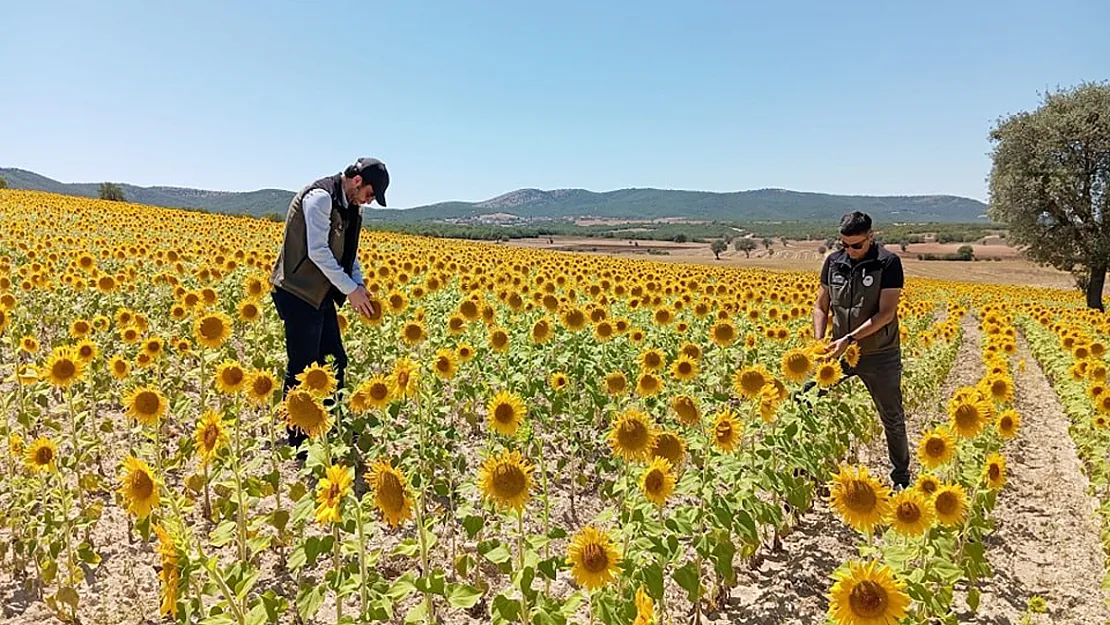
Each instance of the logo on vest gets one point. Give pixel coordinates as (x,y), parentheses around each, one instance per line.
(868,280)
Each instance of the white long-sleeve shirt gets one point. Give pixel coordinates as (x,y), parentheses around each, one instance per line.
(317,216)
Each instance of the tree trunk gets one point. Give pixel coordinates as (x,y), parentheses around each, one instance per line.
(1095,284)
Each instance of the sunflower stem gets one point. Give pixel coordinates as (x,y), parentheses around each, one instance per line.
(662,568)
(524,616)
(363,600)
(240,519)
(336,564)
(76,448)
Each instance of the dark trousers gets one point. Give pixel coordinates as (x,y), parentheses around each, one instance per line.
(310,336)
(881,373)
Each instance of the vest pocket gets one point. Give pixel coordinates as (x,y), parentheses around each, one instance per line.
(299,263)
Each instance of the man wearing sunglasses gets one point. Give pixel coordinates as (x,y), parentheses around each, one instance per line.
(861,284)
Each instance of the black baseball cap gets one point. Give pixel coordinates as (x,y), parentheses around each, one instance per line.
(373,171)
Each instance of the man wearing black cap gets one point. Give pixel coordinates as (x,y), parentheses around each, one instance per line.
(317,267)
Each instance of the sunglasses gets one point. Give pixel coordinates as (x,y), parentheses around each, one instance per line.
(854,246)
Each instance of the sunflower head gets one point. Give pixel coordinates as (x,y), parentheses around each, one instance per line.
(405,379)
(648,384)
(749,381)
(910,513)
(796,365)
(616,383)
(950,504)
(936,448)
(210,435)
(41,455)
(686,409)
(230,377)
(146,404)
(330,492)
(632,435)
(506,412)
(867,593)
(670,446)
(685,368)
(390,489)
(1008,423)
(727,431)
(593,558)
(212,328)
(139,487)
(63,368)
(559,381)
(859,498)
(260,387)
(994,471)
(304,412)
(658,481)
(317,379)
(506,479)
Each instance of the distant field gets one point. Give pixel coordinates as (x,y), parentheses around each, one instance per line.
(804,256)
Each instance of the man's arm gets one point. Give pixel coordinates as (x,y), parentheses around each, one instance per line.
(317,215)
(821,312)
(888,307)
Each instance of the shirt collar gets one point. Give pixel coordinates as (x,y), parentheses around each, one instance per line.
(342,193)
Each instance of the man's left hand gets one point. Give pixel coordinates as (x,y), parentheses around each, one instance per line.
(837,348)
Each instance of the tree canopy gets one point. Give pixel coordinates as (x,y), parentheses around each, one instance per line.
(111,191)
(1048,182)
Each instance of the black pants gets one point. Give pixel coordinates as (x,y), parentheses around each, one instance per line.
(310,336)
(881,373)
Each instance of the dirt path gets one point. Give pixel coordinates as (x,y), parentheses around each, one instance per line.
(1047,542)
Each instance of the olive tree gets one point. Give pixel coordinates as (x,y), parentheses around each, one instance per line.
(1049,179)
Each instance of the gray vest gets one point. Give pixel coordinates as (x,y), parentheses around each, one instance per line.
(293,271)
(854,291)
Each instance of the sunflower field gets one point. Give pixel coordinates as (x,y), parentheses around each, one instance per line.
(521,436)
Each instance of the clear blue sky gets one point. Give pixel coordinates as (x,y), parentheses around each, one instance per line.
(466,100)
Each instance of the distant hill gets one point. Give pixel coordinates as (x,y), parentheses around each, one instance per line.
(757,205)
(255,203)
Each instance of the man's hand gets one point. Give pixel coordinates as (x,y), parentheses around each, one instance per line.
(837,348)
(360,301)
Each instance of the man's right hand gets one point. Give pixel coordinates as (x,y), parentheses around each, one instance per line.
(360,301)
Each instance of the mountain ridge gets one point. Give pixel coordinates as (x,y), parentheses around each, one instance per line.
(528,204)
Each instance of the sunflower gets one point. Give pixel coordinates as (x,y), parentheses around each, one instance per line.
(999,388)
(1096,390)
(936,448)
(859,498)
(249,311)
(910,514)
(632,435)
(652,360)
(828,374)
(796,365)
(968,415)
(260,387)
(750,380)
(541,331)
(645,608)
(648,385)
(506,479)
(616,383)
(506,412)
(210,435)
(405,379)
(146,404)
(1008,423)
(376,391)
(85,350)
(413,332)
(851,355)
(154,346)
(593,558)
(670,446)
(685,368)
(444,364)
(465,351)
(691,350)
(559,381)
(119,367)
(994,471)
(168,573)
(768,402)
(658,481)
(687,410)
(330,492)
(318,379)
(574,318)
(390,490)
(230,377)
(604,330)
(139,487)
(41,455)
(727,431)
(15,445)
(867,594)
(63,368)
(29,345)
(80,328)
(723,333)
(211,329)
(950,504)
(304,412)
(927,485)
